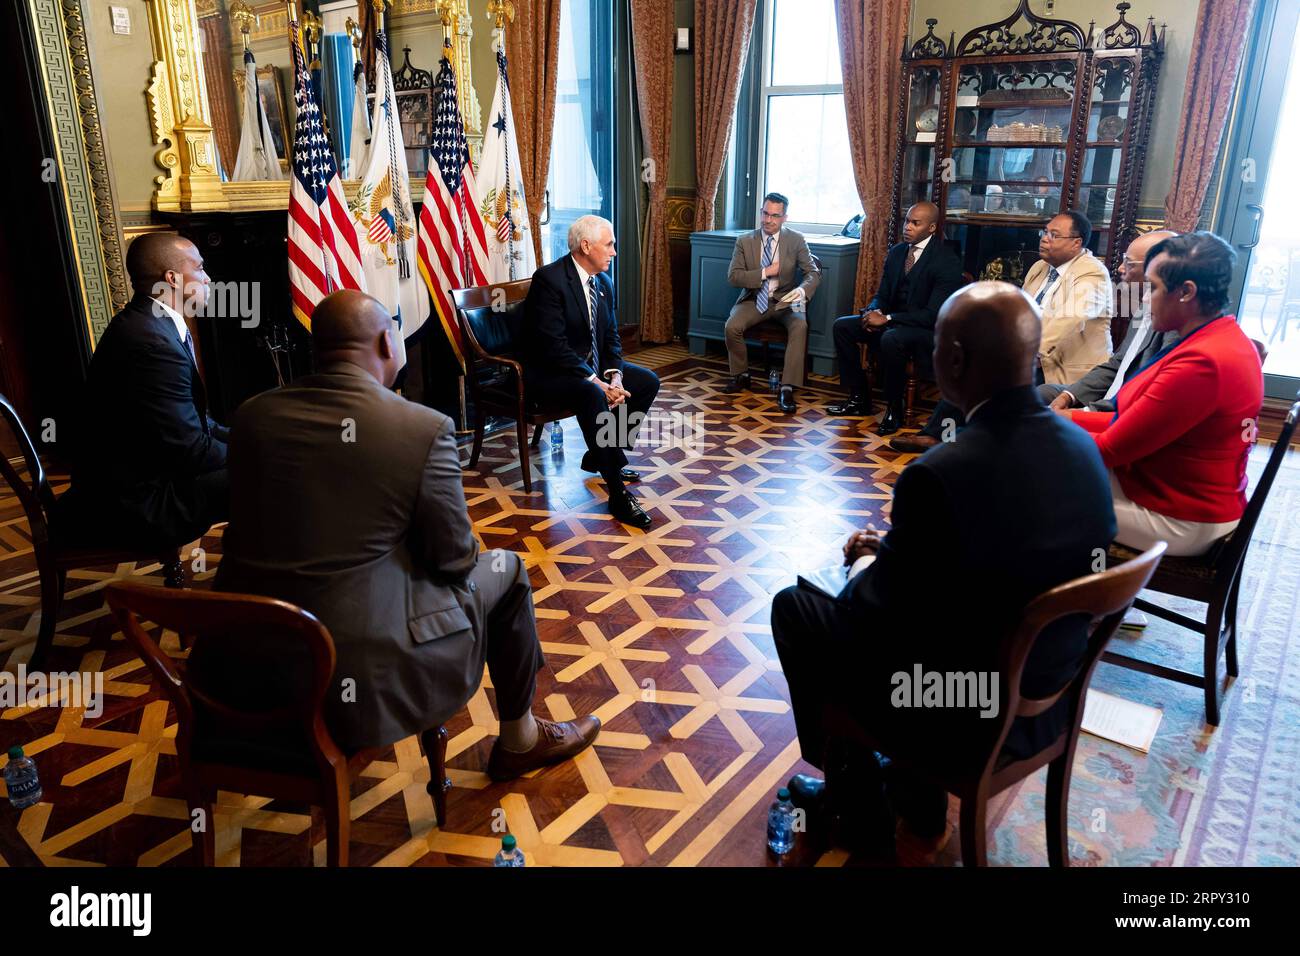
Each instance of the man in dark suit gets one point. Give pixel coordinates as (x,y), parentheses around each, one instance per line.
(1018,504)
(148,464)
(576,359)
(1097,388)
(346,500)
(898,324)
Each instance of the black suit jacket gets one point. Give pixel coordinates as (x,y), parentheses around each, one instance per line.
(935,276)
(1018,503)
(144,433)
(556,327)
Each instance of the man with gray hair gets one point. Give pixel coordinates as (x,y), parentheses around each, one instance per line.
(575,359)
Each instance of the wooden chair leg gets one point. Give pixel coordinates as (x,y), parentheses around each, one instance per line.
(52,583)
(974,845)
(480,426)
(537,436)
(1230,649)
(1056,806)
(338,823)
(521,433)
(1213,631)
(435,751)
(909,399)
(204,840)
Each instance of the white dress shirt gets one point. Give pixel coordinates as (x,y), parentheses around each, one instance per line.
(181,328)
(584,279)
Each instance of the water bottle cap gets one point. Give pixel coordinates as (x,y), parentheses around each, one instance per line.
(508,842)
(15,752)
(783,794)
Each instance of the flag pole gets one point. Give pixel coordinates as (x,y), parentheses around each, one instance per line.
(503,13)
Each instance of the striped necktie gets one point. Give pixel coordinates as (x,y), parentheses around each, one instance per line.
(761,301)
(1052,276)
(591,302)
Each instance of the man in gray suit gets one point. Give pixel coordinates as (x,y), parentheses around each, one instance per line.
(1097,388)
(346,500)
(764,265)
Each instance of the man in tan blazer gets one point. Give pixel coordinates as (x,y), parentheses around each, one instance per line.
(764,266)
(1073,289)
(346,499)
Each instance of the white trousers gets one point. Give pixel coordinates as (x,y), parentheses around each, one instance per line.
(1140,527)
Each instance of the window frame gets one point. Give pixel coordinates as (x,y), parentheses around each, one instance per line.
(765,91)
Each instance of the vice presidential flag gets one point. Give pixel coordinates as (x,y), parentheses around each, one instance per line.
(324,254)
(505,214)
(256,159)
(384,214)
(452,241)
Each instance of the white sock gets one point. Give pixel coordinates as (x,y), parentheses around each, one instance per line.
(519,736)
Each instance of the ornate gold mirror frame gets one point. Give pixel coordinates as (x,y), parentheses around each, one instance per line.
(181,118)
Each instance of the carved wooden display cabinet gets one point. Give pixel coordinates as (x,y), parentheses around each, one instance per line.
(1023,118)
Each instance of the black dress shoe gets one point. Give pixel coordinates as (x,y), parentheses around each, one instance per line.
(627,474)
(853,405)
(889,424)
(785,400)
(807,792)
(738,384)
(628,510)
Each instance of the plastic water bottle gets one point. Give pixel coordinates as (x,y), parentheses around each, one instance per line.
(557,435)
(780,824)
(22,780)
(510,855)
(774,380)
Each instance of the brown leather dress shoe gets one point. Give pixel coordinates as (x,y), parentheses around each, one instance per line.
(555,742)
(913,444)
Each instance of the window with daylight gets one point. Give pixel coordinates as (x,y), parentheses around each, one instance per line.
(803,131)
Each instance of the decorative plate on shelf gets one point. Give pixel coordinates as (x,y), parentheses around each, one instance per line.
(959,199)
(928,121)
(965,124)
(1111,127)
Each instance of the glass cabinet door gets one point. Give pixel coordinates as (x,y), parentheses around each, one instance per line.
(1011,125)
(920,136)
(1109,109)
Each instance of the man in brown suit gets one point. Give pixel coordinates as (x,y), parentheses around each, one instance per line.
(763,267)
(346,500)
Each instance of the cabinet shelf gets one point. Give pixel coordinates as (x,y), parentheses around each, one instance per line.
(1069,83)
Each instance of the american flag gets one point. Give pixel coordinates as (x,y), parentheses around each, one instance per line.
(324,254)
(452,244)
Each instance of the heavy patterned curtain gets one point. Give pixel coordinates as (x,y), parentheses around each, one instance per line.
(871,42)
(1217,45)
(722,34)
(221,87)
(652,45)
(533,57)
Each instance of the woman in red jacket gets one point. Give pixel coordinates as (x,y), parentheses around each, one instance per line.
(1184,425)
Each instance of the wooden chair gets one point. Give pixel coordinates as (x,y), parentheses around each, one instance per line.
(54,558)
(771,332)
(986,771)
(490,317)
(282,750)
(1214,579)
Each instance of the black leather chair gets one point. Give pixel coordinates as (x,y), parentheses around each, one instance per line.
(54,557)
(490,317)
(1214,579)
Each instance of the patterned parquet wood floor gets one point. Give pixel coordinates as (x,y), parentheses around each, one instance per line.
(664,634)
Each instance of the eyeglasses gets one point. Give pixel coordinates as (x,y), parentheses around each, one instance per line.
(1048,234)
